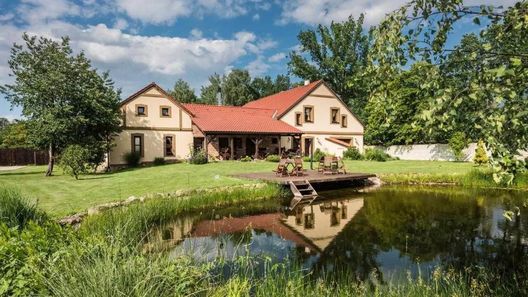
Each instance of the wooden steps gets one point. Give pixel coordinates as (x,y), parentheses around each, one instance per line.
(302,191)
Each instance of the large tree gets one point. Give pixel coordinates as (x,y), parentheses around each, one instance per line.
(238,87)
(64,99)
(338,54)
(419,31)
(183,92)
(14,135)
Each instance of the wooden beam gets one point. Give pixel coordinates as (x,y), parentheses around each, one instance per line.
(232,147)
(256,141)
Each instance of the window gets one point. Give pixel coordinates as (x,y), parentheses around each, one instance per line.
(298,119)
(169,145)
(141,110)
(344,122)
(334,115)
(137,144)
(165,111)
(308,114)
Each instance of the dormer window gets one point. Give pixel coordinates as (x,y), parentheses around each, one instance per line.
(141,110)
(334,115)
(165,111)
(308,114)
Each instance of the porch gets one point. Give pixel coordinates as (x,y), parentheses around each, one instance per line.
(256,146)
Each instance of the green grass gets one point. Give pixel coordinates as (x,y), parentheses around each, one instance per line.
(61,194)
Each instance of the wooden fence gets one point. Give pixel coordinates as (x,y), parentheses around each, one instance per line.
(22,156)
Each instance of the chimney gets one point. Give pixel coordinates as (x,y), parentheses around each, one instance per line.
(306,82)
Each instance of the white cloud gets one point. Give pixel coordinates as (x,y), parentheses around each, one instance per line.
(324,11)
(120,24)
(277,57)
(257,67)
(38,11)
(156,12)
(256,17)
(196,33)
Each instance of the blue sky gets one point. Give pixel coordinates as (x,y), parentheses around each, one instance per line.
(141,41)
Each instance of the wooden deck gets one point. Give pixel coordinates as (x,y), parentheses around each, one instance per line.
(311,176)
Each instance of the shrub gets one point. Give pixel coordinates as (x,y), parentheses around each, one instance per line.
(273,158)
(17,211)
(481,156)
(132,159)
(74,160)
(246,159)
(352,153)
(158,161)
(198,157)
(375,154)
(457,143)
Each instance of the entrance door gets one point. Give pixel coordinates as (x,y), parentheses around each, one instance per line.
(308,146)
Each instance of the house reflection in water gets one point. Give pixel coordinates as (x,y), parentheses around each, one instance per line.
(307,228)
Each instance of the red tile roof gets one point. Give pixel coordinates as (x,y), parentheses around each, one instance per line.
(237,119)
(283,101)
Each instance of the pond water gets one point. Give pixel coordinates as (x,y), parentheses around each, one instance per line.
(390,232)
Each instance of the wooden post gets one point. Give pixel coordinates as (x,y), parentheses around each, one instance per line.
(256,141)
(232,147)
(206,145)
(280,147)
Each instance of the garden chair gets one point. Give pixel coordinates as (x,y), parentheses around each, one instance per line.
(298,166)
(341,166)
(281,168)
(320,166)
(328,165)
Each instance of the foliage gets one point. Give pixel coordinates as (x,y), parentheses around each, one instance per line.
(198,157)
(376,154)
(238,88)
(352,153)
(67,103)
(132,159)
(337,54)
(183,92)
(17,211)
(481,156)
(246,159)
(273,158)
(394,113)
(457,143)
(158,161)
(483,91)
(14,135)
(74,160)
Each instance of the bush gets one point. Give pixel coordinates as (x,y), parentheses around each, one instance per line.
(17,211)
(158,161)
(457,143)
(352,153)
(198,157)
(246,159)
(375,154)
(74,160)
(481,156)
(273,158)
(132,159)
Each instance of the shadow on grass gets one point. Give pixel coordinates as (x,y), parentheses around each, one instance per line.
(23,173)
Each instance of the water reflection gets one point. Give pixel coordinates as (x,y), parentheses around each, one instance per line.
(385,233)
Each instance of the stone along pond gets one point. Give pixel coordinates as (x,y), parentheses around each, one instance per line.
(389,234)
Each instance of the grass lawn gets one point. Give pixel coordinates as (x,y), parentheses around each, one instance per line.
(62,194)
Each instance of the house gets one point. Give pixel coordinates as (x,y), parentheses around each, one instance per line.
(301,120)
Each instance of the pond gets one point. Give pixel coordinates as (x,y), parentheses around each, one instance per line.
(391,233)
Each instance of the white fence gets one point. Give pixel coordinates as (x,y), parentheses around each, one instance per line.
(430,152)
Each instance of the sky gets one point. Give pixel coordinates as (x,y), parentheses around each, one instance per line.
(160,41)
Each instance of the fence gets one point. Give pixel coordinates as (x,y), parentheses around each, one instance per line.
(431,152)
(22,156)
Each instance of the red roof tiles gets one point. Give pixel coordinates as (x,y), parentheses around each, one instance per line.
(283,101)
(237,119)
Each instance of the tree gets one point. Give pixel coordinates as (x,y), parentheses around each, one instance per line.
(183,92)
(419,30)
(338,54)
(74,160)
(64,99)
(238,88)
(14,135)
(3,123)
(481,156)
(457,143)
